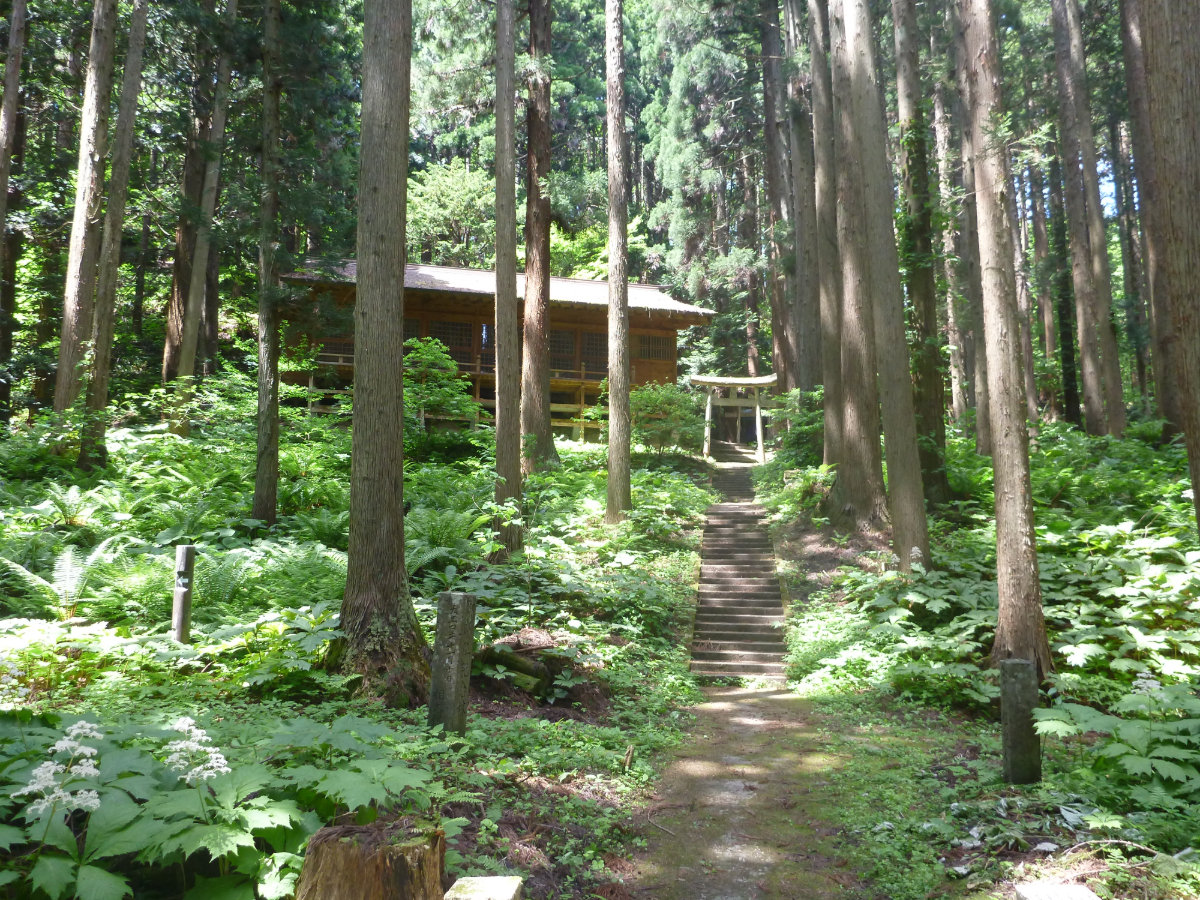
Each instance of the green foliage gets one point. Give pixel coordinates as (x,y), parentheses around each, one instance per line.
(666,415)
(451,215)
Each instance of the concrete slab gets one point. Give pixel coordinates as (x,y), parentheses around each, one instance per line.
(1044,891)
(492,887)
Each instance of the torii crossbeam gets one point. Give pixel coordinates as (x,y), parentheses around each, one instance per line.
(712,382)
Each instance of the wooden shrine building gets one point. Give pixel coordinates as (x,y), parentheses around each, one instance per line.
(457,306)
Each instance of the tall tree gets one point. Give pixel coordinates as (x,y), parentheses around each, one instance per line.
(784,315)
(79,298)
(189,340)
(807,312)
(971,275)
(825,199)
(1172,60)
(956,332)
(620,497)
(266,470)
(1020,628)
(1165,339)
(1131,252)
(748,239)
(906,499)
(508,328)
(1063,283)
(916,239)
(92,447)
(535,375)
(1104,407)
(1043,276)
(384,641)
(857,500)
(9,122)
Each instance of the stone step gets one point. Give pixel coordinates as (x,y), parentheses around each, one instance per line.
(749,577)
(731,669)
(737,657)
(728,555)
(727,620)
(753,644)
(755,634)
(764,607)
(737,588)
(716,594)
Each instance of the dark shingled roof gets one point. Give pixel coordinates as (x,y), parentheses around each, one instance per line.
(563,291)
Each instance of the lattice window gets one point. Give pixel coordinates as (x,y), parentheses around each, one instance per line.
(654,346)
(412,329)
(457,338)
(336,353)
(595,355)
(562,349)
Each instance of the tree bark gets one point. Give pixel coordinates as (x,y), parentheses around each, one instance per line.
(803,175)
(384,641)
(210,332)
(208,206)
(829,279)
(79,296)
(10,125)
(1020,627)
(1044,274)
(1024,307)
(266,469)
(1063,293)
(1167,389)
(1172,66)
(972,276)
(191,187)
(1131,253)
(748,238)
(620,497)
(507,338)
(92,449)
(910,536)
(1104,408)
(535,376)
(857,500)
(957,335)
(782,283)
(144,249)
(380,861)
(916,241)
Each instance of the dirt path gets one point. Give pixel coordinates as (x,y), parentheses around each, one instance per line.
(738,813)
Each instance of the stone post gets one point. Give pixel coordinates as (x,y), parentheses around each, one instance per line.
(708,423)
(181,608)
(1018,699)
(453,648)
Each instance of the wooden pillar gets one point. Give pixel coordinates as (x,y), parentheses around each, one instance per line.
(762,454)
(733,392)
(181,607)
(708,421)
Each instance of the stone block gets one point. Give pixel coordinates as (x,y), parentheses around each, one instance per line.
(1045,891)
(493,887)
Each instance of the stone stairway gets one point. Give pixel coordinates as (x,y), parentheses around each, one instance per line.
(740,608)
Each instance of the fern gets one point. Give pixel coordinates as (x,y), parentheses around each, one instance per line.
(71,577)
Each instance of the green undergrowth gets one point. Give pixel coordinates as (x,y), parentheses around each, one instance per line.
(131,764)
(1120,574)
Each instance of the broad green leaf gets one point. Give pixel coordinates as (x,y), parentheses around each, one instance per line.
(9,877)
(10,836)
(1171,751)
(184,802)
(239,784)
(304,776)
(218,840)
(94,883)
(143,833)
(269,814)
(227,887)
(116,763)
(53,874)
(352,788)
(1171,770)
(1137,765)
(140,787)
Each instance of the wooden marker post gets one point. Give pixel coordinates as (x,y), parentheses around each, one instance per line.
(453,648)
(181,609)
(1018,699)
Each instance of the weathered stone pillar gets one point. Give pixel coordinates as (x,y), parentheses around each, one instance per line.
(1018,699)
(452,650)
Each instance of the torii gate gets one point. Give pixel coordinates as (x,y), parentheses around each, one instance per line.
(712,382)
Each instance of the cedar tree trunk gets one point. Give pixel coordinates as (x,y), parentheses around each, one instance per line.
(10,124)
(79,295)
(384,641)
(92,450)
(1020,628)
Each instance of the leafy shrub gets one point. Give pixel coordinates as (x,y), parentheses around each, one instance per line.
(666,415)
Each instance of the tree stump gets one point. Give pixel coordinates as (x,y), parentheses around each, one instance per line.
(381,861)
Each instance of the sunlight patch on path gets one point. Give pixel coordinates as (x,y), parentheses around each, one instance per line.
(739,813)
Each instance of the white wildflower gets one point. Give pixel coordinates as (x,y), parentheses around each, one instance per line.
(85,768)
(43,778)
(192,756)
(1144,683)
(89,800)
(84,729)
(45,782)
